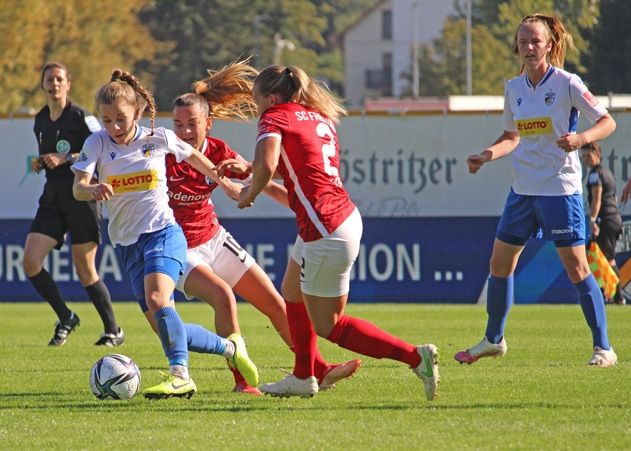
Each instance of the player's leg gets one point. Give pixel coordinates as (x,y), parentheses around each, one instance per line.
(83,220)
(517,224)
(201,282)
(592,303)
(36,248)
(83,258)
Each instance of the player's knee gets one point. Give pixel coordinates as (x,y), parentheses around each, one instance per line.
(32,266)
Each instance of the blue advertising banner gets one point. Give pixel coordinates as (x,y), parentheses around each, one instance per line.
(401,260)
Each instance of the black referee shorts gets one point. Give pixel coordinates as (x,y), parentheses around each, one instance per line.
(59,212)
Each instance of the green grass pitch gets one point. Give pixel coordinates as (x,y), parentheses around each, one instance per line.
(542,395)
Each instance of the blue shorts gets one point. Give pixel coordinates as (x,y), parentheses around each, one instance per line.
(163,252)
(556,218)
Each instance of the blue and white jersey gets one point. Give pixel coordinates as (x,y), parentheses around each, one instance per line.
(541,114)
(137,173)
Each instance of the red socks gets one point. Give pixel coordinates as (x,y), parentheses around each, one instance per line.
(304,339)
(365,338)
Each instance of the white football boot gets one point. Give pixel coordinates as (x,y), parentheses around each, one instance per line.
(292,386)
(603,358)
(427,370)
(483,349)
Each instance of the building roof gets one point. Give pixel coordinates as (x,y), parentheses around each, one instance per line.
(362,17)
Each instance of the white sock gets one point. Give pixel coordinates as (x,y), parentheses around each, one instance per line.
(180,371)
(229,351)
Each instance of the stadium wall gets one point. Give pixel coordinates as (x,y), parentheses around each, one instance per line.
(428,224)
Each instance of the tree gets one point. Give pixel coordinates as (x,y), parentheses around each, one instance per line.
(494,26)
(89,37)
(609,60)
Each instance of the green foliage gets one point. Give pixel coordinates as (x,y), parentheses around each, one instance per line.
(210,34)
(90,37)
(493,62)
(542,395)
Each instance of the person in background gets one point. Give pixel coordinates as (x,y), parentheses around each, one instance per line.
(541,108)
(61,128)
(130,162)
(216,263)
(298,142)
(605,221)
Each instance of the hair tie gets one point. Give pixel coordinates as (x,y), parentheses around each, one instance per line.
(289,72)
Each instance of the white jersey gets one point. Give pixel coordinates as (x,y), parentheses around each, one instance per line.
(541,114)
(137,173)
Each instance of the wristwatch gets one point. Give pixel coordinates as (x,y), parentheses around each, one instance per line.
(69,158)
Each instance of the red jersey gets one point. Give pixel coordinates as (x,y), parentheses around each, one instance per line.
(190,190)
(310,166)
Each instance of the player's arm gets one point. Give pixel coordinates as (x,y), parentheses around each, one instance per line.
(277,192)
(207,167)
(266,155)
(504,145)
(84,190)
(603,127)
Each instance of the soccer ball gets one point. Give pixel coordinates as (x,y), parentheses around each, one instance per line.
(115,376)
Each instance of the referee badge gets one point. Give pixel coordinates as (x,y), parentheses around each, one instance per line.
(549,98)
(62,146)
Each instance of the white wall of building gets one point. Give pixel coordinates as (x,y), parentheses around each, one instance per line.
(364,46)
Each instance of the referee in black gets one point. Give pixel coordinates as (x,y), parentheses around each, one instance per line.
(605,221)
(60,129)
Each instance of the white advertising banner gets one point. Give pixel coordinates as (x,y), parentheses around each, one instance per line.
(393,166)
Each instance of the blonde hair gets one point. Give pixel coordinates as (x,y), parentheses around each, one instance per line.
(293,84)
(560,37)
(124,85)
(225,94)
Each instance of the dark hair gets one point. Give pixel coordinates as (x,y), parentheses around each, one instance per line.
(54,65)
(592,146)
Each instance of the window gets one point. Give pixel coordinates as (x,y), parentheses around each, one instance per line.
(386,24)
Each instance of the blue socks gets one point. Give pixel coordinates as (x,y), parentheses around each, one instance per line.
(199,339)
(593,306)
(498,303)
(172,335)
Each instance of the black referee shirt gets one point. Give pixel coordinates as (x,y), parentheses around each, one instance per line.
(66,134)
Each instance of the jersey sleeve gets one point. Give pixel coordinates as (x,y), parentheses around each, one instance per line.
(508,121)
(176,146)
(271,124)
(594,178)
(224,152)
(584,101)
(92,123)
(89,156)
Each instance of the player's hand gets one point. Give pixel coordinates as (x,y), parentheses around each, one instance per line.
(52,160)
(231,189)
(476,161)
(36,164)
(235,166)
(244,198)
(594,229)
(570,142)
(101,191)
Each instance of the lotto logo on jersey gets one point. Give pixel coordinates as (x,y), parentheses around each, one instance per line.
(134,182)
(534,126)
